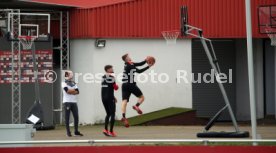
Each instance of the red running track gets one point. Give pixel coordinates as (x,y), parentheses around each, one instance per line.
(143,149)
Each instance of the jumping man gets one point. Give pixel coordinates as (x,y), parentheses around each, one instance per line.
(109,100)
(129,86)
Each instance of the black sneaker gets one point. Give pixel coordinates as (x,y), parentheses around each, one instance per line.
(78,134)
(69,135)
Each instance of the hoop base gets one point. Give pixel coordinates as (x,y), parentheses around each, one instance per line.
(241,134)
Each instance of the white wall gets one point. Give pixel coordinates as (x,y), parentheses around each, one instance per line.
(86,58)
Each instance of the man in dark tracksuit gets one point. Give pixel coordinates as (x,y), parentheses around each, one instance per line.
(109,100)
(129,86)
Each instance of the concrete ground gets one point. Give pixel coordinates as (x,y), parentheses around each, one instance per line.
(148,132)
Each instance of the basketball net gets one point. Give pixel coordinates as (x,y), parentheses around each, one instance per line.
(171,36)
(26,41)
(271,35)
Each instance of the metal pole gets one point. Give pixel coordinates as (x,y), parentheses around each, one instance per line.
(49,23)
(68,40)
(37,93)
(275,82)
(222,89)
(61,63)
(14,21)
(250,69)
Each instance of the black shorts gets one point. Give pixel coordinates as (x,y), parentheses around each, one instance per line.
(130,88)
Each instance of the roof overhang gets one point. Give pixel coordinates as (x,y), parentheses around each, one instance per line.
(27,4)
(76,3)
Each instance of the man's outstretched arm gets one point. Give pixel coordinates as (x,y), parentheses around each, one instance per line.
(140,63)
(142,70)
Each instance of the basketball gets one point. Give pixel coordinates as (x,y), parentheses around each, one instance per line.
(150,60)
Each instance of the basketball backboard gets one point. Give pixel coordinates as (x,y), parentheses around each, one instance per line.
(29,24)
(267,19)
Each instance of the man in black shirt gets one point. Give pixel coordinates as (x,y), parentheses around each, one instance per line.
(109,100)
(129,85)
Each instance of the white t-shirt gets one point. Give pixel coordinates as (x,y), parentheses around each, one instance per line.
(68,97)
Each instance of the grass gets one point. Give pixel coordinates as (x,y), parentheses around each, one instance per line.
(142,119)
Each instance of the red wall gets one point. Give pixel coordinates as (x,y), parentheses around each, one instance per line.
(145,149)
(147,18)
(55,29)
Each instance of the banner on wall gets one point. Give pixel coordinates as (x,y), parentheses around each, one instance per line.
(44,60)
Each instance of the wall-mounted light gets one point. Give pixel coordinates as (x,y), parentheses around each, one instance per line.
(100,43)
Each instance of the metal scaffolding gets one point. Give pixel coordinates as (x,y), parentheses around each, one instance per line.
(13,25)
(16,69)
(64,50)
(63,17)
(64,40)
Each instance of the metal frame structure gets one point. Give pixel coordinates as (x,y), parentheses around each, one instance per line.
(64,40)
(63,17)
(14,18)
(16,68)
(215,66)
(16,62)
(188,30)
(64,48)
(64,52)
(28,14)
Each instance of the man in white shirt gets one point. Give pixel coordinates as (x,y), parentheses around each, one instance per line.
(70,92)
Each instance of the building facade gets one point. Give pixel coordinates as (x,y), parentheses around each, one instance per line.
(135,27)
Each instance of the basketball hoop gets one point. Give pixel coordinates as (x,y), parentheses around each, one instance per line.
(272,35)
(273,39)
(171,36)
(26,41)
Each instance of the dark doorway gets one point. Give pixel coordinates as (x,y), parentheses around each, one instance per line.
(269,78)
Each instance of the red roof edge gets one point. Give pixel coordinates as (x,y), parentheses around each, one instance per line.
(80,4)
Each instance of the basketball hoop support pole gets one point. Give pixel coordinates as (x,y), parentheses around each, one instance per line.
(251,69)
(37,93)
(214,64)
